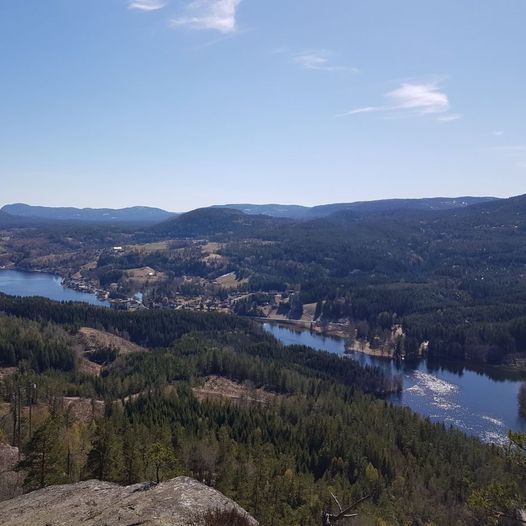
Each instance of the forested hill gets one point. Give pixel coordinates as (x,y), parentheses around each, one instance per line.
(452,277)
(161,329)
(490,222)
(503,212)
(7,220)
(301,429)
(383,205)
(220,223)
(136,214)
(370,222)
(403,215)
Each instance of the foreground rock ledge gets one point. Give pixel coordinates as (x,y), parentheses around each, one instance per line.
(180,501)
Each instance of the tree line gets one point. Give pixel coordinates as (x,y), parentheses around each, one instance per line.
(325,429)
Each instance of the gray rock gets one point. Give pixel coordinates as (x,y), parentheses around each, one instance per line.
(11,481)
(178,502)
(8,457)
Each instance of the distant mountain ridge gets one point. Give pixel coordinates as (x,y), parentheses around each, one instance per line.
(382,205)
(130,214)
(20,213)
(453,214)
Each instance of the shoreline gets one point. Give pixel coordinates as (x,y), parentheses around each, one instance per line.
(302,325)
(338,332)
(100,294)
(375,353)
(495,372)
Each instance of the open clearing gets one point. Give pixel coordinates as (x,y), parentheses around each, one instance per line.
(219,388)
(230,281)
(93,339)
(144,275)
(89,340)
(148,248)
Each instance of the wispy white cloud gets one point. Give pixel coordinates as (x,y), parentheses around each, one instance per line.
(450,117)
(421,98)
(146,5)
(365,109)
(318,60)
(498,133)
(218,15)
(414,99)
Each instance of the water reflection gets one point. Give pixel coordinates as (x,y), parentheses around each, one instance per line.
(480,401)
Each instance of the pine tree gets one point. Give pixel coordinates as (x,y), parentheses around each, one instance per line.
(105,458)
(162,458)
(45,455)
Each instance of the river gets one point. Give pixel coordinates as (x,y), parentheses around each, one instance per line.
(480,403)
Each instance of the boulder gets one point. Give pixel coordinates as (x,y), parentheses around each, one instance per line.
(180,501)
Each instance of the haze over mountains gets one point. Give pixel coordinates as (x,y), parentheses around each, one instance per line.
(133,214)
(144,214)
(382,205)
(372,221)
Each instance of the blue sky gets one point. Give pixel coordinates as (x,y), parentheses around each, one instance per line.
(186,103)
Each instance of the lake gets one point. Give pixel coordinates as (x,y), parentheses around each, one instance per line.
(482,403)
(20,283)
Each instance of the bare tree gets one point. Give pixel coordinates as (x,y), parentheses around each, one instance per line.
(329,519)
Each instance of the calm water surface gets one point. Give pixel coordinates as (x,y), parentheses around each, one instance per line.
(18,283)
(483,403)
(480,403)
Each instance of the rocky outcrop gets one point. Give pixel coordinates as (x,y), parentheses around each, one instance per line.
(178,502)
(10,480)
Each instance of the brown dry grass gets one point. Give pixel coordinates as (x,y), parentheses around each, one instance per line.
(230,281)
(148,248)
(93,338)
(219,388)
(309,310)
(88,367)
(141,276)
(89,339)
(212,248)
(84,409)
(7,371)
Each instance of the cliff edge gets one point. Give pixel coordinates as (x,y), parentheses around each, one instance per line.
(179,502)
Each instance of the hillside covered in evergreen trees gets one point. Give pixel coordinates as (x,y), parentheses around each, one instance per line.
(322,427)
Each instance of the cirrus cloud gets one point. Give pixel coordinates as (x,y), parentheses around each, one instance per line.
(146,5)
(218,15)
(319,60)
(414,99)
